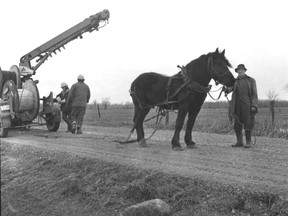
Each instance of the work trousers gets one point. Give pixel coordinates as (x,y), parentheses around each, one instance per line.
(66,116)
(78,115)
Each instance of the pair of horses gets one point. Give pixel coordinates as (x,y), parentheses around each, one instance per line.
(185,92)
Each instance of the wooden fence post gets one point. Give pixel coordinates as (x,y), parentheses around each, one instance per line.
(272,110)
(98,108)
(167,119)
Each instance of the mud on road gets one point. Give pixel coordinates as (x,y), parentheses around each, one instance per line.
(263,167)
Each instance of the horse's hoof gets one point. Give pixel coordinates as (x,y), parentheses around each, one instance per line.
(191,146)
(190,142)
(177,148)
(142,143)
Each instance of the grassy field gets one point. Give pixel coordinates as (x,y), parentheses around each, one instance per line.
(208,120)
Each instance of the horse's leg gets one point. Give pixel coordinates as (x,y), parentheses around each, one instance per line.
(182,111)
(136,115)
(194,109)
(190,124)
(139,125)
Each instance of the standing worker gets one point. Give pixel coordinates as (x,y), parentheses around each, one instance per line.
(244,105)
(65,107)
(79,96)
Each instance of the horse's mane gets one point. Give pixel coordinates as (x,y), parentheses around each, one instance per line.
(198,64)
(201,63)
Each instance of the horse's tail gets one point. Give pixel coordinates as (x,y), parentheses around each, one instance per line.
(132,89)
(137,92)
(132,92)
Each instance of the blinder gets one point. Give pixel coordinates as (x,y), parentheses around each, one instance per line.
(214,74)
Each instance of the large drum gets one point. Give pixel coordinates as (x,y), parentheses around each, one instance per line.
(23,96)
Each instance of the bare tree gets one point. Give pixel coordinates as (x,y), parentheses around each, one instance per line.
(272,97)
(94,103)
(106,102)
(286,87)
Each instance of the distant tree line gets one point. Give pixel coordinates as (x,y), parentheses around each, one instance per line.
(261,104)
(105,104)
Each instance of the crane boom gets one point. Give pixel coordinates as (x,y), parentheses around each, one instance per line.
(45,50)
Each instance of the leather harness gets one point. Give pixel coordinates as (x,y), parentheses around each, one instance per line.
(188,83)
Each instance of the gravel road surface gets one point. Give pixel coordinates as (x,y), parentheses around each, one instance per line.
(263,167)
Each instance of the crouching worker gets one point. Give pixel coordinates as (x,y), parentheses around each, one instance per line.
(244,105)
(64,106)
(80,96)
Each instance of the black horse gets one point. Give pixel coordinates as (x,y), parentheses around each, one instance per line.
(185,92)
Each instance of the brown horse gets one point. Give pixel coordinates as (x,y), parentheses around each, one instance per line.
(185,92)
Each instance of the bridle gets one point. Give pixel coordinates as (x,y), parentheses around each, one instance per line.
(213,73)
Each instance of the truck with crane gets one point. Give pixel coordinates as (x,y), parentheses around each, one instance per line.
(19,96)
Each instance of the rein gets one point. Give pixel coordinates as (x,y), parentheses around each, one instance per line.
(215,99)
(160,112)
(194,85)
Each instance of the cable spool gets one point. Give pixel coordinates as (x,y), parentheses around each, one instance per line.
(15,69)
(29,102)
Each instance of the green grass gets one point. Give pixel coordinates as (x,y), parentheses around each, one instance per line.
(208,120)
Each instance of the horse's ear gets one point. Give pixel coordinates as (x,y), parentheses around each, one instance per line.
(217,51)
(223,52)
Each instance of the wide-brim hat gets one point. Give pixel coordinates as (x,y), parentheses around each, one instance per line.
(240,66)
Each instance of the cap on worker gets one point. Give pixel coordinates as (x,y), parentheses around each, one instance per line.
(80,77)
(63,84)
(240,66)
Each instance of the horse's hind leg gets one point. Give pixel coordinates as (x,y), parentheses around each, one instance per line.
(139,125)
(139,116)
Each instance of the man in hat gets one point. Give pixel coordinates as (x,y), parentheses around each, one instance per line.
(65,107)
(80,96)
(244,105)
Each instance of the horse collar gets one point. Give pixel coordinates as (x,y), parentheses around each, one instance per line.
(192,83)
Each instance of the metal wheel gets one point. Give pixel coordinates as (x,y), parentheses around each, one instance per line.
(10,93)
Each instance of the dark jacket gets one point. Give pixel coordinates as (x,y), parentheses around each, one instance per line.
(79,94)
(252,89)
(64,96)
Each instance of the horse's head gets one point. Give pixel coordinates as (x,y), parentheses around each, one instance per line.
(218,67)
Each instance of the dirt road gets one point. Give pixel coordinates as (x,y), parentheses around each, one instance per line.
(263,167)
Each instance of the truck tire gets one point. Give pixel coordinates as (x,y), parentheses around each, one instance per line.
(52,125)
(3,131)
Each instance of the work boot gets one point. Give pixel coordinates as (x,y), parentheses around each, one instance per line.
(248,139)
(79,131)
(73,127)
(239,137)
(69,128)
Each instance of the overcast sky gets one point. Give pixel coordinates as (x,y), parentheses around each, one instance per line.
(145,36)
